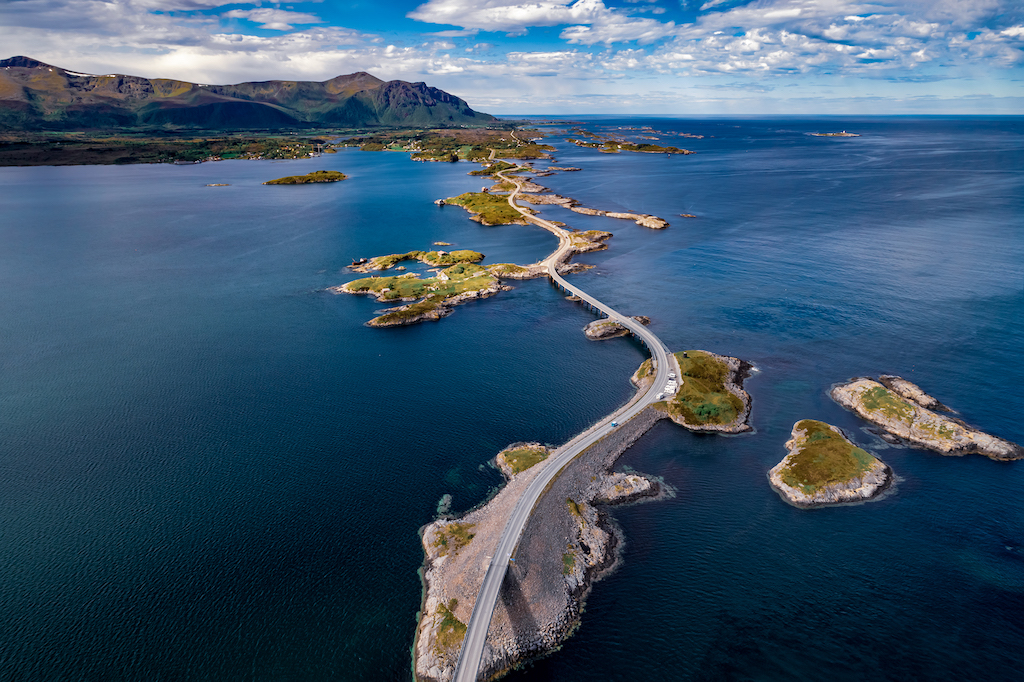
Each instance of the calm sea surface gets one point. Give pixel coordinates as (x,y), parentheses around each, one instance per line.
(211,470)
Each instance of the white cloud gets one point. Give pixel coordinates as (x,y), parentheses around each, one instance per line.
(274,19)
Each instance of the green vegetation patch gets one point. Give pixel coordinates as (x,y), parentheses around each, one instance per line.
(461,277)
(568,563)
(703,398)
(645,369)
(315,176)
(651,148)
(574,509)
(524,458)
(407,313)
(492,209)
(453,537)
(451,631)
(428,257)
(494,168)
(823,458)
(881,399)
(500,269)
(526,151)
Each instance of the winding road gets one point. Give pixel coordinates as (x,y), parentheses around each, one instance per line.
(476,631)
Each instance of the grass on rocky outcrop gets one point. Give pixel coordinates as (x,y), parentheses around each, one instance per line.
(703,398)
(889,404)
(462,277)
(645,370)
(451,630)
(574,509)
(568,563)
(428,257)
(526,151)
(881,399)
(489,209)
(824,457)
(453,537)
(494,168)
(523,458)
(499,269)
(315,176)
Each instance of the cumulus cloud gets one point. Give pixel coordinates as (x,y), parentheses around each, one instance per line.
(896,43)
(590,21)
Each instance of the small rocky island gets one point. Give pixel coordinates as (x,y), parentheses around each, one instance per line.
(315,176)
(899,407)
(824,468)
(710,395)
(599,330)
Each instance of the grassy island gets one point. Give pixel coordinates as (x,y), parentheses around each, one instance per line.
(315,176)
(821,457)
(614,146)
(488,209)
(703,397)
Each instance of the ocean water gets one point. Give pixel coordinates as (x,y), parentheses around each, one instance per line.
(210,469)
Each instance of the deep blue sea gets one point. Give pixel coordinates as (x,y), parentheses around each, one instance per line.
(211,470)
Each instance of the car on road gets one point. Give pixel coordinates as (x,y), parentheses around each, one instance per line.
(615,423)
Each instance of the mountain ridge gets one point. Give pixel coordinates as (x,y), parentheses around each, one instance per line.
(39,96)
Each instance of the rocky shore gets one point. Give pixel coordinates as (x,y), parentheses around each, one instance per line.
(568,544)
(901,415)
(824,468)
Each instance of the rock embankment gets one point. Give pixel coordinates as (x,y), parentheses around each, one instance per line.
(599,330)
(824,468)
(566,546)
(642,219)
(910,421)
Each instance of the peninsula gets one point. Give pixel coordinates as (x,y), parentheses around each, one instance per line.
(824,468)
(902,415)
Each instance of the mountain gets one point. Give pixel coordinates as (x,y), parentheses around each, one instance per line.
(38,96)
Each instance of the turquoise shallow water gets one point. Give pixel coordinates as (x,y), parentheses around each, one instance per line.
(209,469)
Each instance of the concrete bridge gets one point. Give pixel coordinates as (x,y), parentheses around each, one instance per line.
(476,631)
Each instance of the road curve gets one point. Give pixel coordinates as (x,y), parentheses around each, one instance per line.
(476,631)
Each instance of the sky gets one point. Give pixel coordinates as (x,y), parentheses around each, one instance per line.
(676,57)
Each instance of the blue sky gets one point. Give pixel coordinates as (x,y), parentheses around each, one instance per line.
(567,57)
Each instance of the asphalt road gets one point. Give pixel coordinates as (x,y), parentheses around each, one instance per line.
(476,632)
